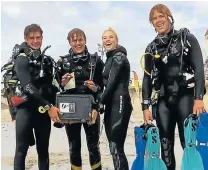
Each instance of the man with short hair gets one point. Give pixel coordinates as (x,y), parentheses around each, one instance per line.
(40,97)
(86,69)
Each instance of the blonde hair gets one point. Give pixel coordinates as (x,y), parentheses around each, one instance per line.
(161,9)
(110,29)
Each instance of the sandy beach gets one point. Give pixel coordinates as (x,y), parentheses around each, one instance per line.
(59,151)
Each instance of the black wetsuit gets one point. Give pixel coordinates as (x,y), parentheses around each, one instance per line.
(175,101)
(118,107)
(81,67)
(40,92)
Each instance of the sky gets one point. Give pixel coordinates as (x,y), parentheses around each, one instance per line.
(129,19)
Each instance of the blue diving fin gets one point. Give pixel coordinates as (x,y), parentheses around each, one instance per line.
(191,159)
(153,161)
(202,138)
(140,143)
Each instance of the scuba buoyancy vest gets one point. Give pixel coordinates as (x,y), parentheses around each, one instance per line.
(74,63)
(83,66)
(159,52)
(12,90)
(186,73)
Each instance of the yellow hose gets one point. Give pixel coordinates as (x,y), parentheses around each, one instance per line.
(141,60)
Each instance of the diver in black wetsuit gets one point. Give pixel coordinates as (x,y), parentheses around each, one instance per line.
(40,95)
(82,63)
(178,75)
(116,98)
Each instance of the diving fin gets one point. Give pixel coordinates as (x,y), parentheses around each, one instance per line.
(191,159)
(153,161)
(202,138)
(140,143)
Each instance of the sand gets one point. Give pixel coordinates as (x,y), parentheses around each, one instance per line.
(59,151)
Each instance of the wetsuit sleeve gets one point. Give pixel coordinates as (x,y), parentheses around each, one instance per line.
(146,84)
(98,75)
(22,71)
(98,80)
(117,64)
(196,61)
(59,73)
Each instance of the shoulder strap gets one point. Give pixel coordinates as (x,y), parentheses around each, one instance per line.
(15,51)
(183,36)
(119,56)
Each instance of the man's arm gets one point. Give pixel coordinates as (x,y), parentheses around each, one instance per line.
(147,84)
(98,80)
(98,75)
(22,70)
(196,61)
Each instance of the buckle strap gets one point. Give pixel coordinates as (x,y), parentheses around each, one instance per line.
(202,144)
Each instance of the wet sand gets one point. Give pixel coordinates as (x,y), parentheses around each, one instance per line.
(59,151)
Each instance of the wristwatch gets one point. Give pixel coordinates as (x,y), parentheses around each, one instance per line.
(145,104)
(200,97)
(42,109)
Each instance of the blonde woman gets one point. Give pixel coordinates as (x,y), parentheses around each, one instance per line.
(116,97)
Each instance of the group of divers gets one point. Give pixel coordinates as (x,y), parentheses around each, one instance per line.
(77,88)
